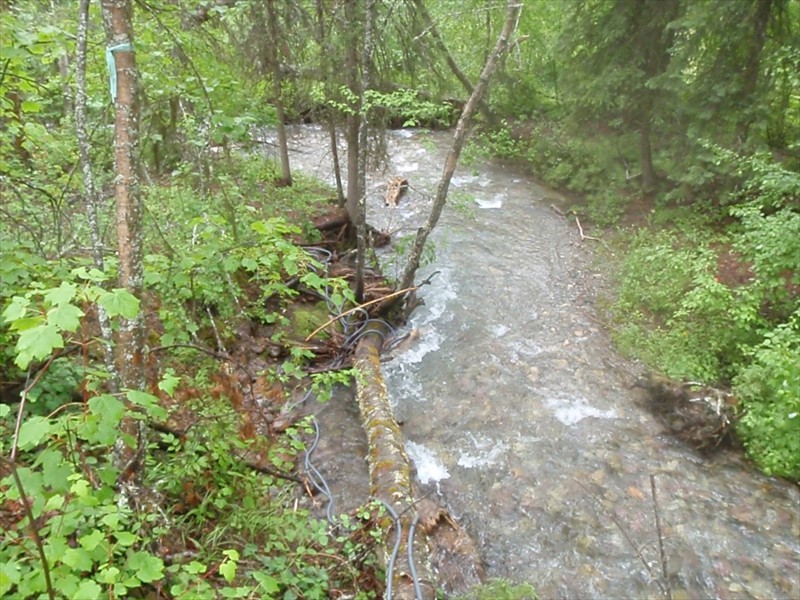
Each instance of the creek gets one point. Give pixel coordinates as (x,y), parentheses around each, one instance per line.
(521,418)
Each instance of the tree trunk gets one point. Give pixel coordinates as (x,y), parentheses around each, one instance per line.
(751,71)
(363,124)
(337,169)
(390,477)
(19,137)
(646,158)
(329,114)
(91,197)
(277,88)
(117,15)
(451,161)
(353,119)
(655,41)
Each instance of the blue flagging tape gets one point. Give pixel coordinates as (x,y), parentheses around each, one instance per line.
(112,66)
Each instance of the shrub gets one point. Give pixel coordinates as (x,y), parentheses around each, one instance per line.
(769,391)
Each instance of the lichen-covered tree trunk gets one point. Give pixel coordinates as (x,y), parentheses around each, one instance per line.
(91,197)
(124,84)
(277,88)
(390,476)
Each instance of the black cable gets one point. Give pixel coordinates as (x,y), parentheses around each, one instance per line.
(399,533)
(411,567)
(316,478)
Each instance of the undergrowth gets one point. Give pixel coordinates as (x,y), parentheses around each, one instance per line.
(215,512)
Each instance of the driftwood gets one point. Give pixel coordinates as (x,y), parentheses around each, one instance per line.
(397,187)
(580,230)
(339,220)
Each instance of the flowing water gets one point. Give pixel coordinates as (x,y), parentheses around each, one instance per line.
(521,417)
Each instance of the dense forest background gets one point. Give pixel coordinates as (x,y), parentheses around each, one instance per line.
(142,221)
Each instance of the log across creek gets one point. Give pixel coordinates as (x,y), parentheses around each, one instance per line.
(425,549)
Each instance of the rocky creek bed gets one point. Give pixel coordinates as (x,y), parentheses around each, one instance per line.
(523,420)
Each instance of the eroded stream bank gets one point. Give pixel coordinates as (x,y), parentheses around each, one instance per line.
(519,413)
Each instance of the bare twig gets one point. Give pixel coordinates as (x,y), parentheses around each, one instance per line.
(12,462)
(37,540)
(627,537)
(220,345)
(667,589)
(265,470)
(580,230)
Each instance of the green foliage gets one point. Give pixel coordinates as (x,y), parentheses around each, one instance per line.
(322,384)
(462,202)
(498,141)
(673,312)
(95,546)
(769,390)
(408,109)
(199,492)
(222,267)
(593,167)
(43,318)
(402,107)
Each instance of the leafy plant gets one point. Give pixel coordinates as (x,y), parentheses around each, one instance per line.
(90,541)
(769,391)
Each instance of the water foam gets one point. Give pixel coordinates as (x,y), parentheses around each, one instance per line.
(487,453)
(573,411)
(429,466)
(495,202)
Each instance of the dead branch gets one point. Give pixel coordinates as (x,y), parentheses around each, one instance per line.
(580,230)
(637,550)
(667,589)
(451,162)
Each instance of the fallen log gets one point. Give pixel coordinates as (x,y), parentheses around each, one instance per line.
(397,187)
(332,220)
(390,478)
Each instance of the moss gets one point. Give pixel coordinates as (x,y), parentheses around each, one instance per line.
(304,319)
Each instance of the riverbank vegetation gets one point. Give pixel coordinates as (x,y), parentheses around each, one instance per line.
(161,268)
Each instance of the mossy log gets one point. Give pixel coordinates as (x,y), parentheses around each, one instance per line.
(390,475)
